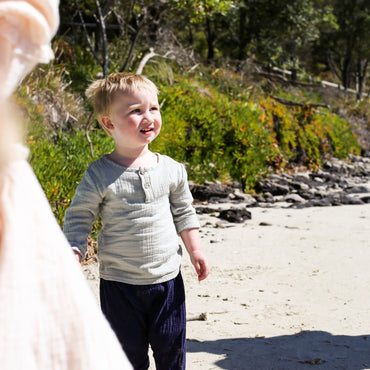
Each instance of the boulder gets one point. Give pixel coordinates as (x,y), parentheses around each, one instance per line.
(208,191)
(237,215)
(294,198)
(274,188)
(357,189)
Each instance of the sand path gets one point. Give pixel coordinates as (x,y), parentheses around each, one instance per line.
(288,289)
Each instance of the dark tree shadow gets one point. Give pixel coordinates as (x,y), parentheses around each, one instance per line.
(299,351)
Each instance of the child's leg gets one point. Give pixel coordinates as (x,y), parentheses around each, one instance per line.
(167,325)
(127,317)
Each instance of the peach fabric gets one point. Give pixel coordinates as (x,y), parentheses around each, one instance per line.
(49,318)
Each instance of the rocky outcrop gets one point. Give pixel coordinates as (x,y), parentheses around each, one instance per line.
(337,183)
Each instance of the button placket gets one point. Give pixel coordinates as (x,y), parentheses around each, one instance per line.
(146,184)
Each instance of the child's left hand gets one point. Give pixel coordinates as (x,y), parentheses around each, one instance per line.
(201,264)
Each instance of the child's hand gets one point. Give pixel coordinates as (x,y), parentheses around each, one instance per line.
(77,256)
(201,264)
(191,239)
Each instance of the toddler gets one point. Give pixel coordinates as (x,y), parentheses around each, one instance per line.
(144,202)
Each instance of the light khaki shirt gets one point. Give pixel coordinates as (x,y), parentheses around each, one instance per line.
(142,211)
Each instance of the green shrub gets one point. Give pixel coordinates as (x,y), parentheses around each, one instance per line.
(222,138)
(218,129)
(60,163)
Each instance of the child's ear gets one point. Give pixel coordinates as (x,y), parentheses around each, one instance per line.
(107,123)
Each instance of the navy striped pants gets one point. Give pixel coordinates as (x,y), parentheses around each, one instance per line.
(148,314)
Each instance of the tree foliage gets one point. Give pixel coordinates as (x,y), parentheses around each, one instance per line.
(311,35)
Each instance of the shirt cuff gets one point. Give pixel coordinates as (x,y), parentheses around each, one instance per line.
(187,224)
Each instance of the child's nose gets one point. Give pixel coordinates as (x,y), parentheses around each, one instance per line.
(147,116)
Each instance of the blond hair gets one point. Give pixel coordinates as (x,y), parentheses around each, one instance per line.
(102,92)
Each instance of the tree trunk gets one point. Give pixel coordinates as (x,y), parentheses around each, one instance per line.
(346,70)
(242,33)
(210,40)
(103,30)
(361,77)
(96,56)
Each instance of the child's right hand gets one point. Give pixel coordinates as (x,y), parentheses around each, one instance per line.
(200,263)
(77,256)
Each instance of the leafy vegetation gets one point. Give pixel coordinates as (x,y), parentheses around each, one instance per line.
(311,37)
(221,127)
(219,117)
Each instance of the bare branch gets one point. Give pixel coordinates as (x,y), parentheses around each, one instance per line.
(131,51)
(86,33)
(296,104)
(149,56)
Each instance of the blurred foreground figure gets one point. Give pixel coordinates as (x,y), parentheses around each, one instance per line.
(49,318)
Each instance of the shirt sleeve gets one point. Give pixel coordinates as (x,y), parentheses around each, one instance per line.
(183,212)
(81,214)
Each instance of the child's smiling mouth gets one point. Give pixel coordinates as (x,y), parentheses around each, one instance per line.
(146,130)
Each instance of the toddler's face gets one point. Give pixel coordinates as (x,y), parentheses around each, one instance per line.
(135,118)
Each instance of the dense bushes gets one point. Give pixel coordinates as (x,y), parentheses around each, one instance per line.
(241,139)
(220,134)
(60,163)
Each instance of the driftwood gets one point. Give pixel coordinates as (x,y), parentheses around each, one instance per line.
(296,104)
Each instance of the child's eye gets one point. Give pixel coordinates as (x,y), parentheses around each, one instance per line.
(137,110)
(154,108)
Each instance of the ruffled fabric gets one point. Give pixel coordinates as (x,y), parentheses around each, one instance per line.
(26,28)
(49,318)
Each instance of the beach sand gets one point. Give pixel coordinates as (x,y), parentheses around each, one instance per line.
(288,289)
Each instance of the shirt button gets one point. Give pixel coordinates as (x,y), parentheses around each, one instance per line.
(142,172)
(146,185)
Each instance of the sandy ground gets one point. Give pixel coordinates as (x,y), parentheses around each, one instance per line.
(289,289)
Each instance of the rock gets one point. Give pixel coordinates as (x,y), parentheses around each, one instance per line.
(357,189)
(268,198)
(345,199)
(301,205)
(365,199)
(331,185)
(259,199)
(208,210)
(236,185)
(218,200)
(237,215)
(209,190)
(306,195)
(304,186)
(247,198)
(232,196)
(223,225)
(273,188)
(320,202)
(294,198)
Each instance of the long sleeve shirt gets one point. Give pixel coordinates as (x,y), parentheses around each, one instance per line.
(142,211)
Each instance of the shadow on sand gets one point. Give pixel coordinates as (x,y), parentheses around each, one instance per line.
(298,351)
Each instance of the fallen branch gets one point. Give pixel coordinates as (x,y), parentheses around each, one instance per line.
(148,56)
(296,104)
